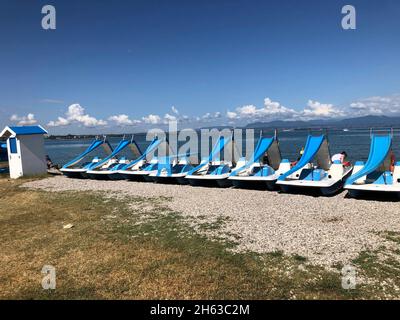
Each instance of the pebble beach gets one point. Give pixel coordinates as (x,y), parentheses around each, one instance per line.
(325,230)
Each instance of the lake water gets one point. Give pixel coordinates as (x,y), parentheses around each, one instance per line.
(355,142)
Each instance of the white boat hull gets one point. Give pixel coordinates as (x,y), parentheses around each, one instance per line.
(99,174)
(358,190)
(131,175)
(326,187)
(78,173)
(254,182)
(209,180)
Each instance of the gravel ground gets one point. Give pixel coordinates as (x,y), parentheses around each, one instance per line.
(325,230)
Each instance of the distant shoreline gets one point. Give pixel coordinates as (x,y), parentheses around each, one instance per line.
(283,129)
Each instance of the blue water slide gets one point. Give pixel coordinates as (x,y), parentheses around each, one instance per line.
(121,146)
(120,166)
(262,147)
(216,151)
(168,166)
(152,146)
(95,144)
(164,164)
(379,150)
(310,150)
(218,148)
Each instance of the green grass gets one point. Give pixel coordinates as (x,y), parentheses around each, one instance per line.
(299,258)
(381,267)
(137,248)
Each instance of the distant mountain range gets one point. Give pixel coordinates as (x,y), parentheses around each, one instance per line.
(360,122)
(351,123)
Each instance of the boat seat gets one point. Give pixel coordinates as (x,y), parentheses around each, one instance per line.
(220,170)
(263,171)
(116,167)
(145,166)
(150,167)
(123,160)
(178,168)
(385,178)
(185,168)
(314,175)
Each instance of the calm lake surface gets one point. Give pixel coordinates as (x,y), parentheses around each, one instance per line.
(355,142)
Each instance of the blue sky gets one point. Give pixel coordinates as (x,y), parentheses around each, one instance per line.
(121,66)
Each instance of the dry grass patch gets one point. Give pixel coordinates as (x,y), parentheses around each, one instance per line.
(136,248)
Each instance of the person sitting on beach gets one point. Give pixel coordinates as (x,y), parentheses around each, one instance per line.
(341,157)
(50,164)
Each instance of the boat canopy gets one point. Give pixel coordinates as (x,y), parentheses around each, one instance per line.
(219,147)
(316,148)
(265,146)
(121,146)
(154,144)
(94,145)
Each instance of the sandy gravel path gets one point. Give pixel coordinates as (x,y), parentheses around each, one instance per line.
(325,230)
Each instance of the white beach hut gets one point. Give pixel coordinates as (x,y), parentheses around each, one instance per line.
(25,146)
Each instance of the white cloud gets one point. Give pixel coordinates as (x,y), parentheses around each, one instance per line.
(185,118)
(27,120)
(123,120)
(318,110)
(60,122)
(377,105)
(76,114)
(247,111)
(152,119)
(174,116)
(231,115)
(358,106)
(210,116)
(273,110)
(270,111)
(206,116)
